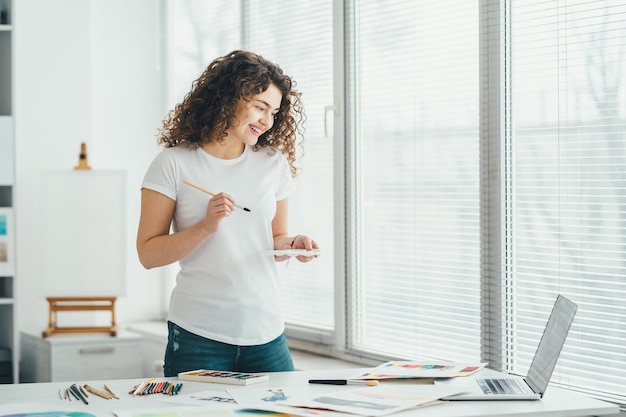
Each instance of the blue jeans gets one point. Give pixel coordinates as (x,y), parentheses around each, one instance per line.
(187,351)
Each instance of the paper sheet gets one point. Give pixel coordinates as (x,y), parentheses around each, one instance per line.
(212,398)
(413,369)
(365,401)
(375,401)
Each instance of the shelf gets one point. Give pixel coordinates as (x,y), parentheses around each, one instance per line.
(6,41)
(6,288)
(6,195)
(9,360)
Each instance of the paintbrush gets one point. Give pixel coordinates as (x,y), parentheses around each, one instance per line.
(212,194)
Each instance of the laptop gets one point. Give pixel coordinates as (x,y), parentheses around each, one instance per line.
(534,385)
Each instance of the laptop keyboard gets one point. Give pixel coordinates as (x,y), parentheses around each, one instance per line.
(501,386)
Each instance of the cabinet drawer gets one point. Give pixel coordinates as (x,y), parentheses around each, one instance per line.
(80,357)
(96,361)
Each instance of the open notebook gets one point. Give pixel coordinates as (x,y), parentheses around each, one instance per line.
(534,385)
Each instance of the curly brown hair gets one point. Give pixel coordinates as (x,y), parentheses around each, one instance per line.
(208,109)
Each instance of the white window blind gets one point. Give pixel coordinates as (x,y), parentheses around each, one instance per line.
(414,129)
(569,175)
(196,33)
(299,39)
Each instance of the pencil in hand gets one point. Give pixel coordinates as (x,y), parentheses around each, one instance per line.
(212,194)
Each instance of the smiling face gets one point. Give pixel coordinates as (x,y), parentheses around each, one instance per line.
(255,116)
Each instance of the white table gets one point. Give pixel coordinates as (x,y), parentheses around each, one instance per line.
(556,402)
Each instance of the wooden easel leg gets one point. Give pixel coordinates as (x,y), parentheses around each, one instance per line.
(51,320)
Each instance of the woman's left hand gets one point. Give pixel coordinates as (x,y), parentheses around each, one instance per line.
(304,242)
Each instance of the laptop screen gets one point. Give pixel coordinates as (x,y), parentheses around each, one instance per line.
(550,345)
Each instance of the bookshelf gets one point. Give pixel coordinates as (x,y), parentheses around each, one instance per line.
(8,324)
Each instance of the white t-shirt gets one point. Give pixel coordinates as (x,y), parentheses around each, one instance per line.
(227,288)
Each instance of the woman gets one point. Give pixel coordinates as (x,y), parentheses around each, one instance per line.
(233,134)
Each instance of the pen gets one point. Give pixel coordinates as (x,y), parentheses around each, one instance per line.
(74,394)
(369,382)
(77,393)
(212,194)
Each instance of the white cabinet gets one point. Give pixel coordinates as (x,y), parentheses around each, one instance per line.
(80,357)
(8,328)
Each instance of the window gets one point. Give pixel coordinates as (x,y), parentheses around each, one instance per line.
(299,39)
(568,223)
(414,132)
(197,32)
(476,169)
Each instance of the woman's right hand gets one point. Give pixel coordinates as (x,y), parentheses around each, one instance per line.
(157,246)
(219,207)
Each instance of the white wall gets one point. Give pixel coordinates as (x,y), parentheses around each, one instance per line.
(84,71)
